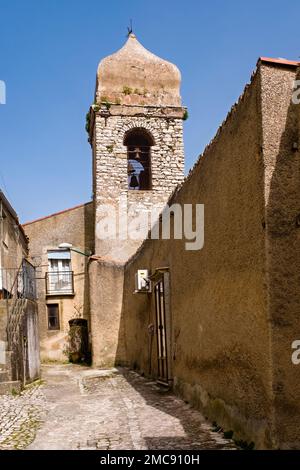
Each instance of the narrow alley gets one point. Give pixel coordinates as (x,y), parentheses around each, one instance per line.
(77,407)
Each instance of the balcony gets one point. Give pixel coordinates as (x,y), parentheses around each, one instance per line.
(60,283)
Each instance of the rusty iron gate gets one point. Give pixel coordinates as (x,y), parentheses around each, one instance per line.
(161,331)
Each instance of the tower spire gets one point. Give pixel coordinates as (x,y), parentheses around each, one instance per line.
(129,29)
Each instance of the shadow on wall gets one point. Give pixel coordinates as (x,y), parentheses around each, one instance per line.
(90,245)
(137,342)
(243,362)
(283,264)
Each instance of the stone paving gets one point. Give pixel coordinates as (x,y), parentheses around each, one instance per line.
(20,417)
(84,408)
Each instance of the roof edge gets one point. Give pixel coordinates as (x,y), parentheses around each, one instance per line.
(57,213)
(8,206)
(279,61)
(13,213)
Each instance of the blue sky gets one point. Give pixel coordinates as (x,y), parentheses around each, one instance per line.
(49,52)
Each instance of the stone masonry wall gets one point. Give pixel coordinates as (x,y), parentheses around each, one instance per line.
(110,163)
(110,187)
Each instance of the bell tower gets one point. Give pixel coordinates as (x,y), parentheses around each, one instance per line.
(135,130)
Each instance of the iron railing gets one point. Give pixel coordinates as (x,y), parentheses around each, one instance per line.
(59,283)
(19,282)
(28,281)
(22,288)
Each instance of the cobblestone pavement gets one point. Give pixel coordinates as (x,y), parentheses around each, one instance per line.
(20,417)
(83,408)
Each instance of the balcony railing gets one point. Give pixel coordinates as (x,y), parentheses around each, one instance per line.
(60,283)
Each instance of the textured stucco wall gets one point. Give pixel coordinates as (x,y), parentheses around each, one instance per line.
(32,342)
(220,328)
(106,293)
(74,226)
(135,75)
(282,171)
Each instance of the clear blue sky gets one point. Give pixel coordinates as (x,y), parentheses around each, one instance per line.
(49,52)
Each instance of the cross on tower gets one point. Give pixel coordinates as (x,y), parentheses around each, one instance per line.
(129,29)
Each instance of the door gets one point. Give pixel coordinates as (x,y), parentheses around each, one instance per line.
(161,331)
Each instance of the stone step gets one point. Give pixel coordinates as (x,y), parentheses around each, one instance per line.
(10,387)
(4,376)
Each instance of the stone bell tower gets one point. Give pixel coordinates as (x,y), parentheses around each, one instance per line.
(135,128)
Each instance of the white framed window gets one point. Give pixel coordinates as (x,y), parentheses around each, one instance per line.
(60,276)
(59,265)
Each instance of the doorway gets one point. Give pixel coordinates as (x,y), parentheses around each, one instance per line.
(163,329)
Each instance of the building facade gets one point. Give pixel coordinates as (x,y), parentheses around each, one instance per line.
(13,245)
(62,280)
(216,324)
(19,339)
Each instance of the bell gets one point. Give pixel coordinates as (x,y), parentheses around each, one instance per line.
(134,182)
(137,152)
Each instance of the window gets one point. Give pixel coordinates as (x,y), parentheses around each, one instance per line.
(59,265)
(53,316)
(59,279)
(138,142)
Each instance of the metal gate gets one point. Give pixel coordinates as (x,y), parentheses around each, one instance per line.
(161,330)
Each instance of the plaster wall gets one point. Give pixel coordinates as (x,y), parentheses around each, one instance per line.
(73,226)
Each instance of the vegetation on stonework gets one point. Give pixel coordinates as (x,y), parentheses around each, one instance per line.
(87,122)
(53,361)
(107,104)
(104,101)
(36,383)
(96,107)
(185,115)
(127,90)
(244,445)
(228,434)
(75,350)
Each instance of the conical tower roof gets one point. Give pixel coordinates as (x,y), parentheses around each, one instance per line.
(133,75)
